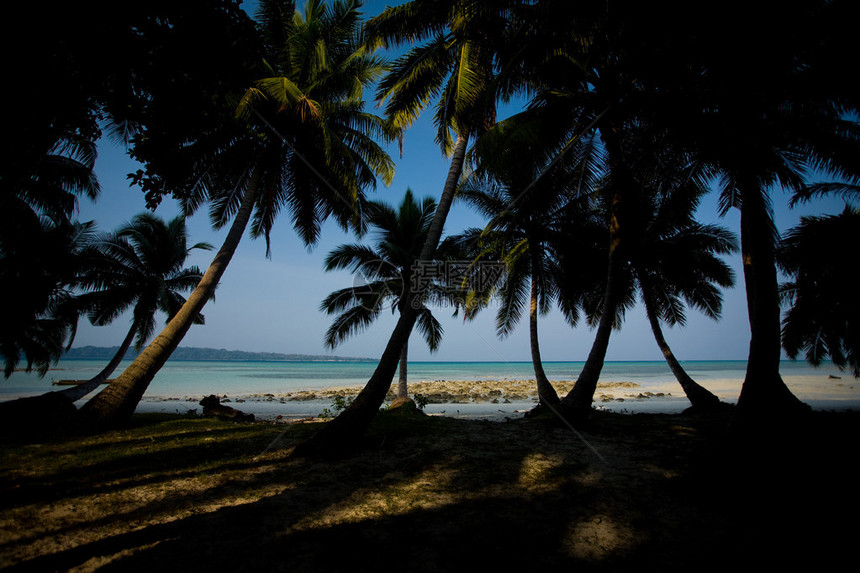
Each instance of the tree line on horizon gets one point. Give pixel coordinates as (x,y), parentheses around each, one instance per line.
(633,114)
(200,353)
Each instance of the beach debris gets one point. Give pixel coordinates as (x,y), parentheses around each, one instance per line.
(832,377)
(304,396)
(76,382)
(212,408)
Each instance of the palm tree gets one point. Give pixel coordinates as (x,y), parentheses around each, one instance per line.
(594,78)
(387,269)
(675,260)
(40,247)
(619,66)
(38,277)
(308,147)
(823,315)
(140,268)
(769,119)
(453,64)
(670,259)
(526,210)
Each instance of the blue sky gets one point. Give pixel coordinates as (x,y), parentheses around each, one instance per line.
(271,305)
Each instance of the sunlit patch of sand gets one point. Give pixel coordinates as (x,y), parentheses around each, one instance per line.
(427,490)
(597,538)
(538,472)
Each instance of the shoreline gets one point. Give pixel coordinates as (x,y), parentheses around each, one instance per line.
(504,399)
(489,395)
(483,399)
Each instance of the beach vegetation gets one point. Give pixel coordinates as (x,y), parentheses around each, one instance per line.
(629,116)
(600,75)
(627,86)
(421,400)
(338,403)
(596,92)
(633,111)
(672,258)
(118,70)
(594,77)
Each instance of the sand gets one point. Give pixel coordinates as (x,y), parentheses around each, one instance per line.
(667,493)
(511,398)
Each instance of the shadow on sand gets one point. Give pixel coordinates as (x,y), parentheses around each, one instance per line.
(432,494)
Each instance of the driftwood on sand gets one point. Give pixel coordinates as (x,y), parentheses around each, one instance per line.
(75,382)
(213,408)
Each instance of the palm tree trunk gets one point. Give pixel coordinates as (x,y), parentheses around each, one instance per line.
(577,404)
(700,397)
(546,392)
(345,431)
(434,232)
(116,403)
(763,391)
(401,383)
(24,407)
(77,392)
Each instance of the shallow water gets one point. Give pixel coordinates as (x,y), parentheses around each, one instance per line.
(180,384)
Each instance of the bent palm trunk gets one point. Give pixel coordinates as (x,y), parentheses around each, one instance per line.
(53,410)
(345,431)
(577,404)
(546,392)
(763,391)
(75,393)
(116,403)
(700,397)
(401,383)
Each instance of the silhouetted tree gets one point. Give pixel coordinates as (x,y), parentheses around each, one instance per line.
(823,315)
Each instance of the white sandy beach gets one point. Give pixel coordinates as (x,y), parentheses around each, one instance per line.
(511,398)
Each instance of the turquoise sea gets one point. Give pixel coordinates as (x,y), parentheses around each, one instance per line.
(180,384)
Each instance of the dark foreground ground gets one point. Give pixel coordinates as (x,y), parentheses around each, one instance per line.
(660,493)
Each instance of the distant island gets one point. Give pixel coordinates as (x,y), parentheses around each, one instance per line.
(209,354)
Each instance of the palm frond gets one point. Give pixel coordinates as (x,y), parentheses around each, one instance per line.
(350,322)
(513,296)
(414,80)
(430,328)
